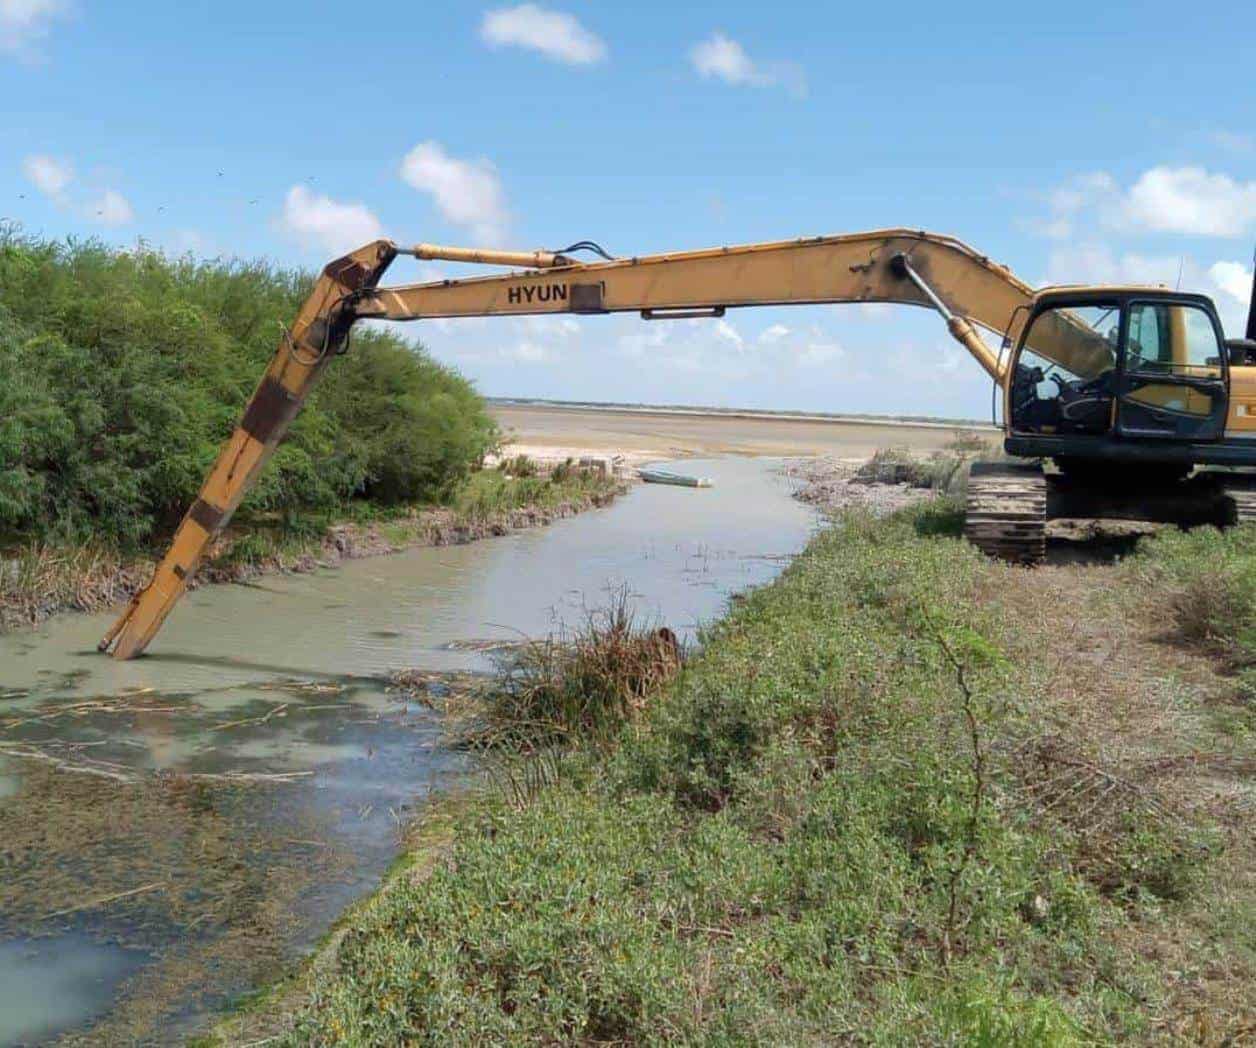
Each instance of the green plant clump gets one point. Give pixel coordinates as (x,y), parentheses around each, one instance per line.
(830,827)
(122,372)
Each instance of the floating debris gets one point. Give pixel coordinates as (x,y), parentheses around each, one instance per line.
(483,645)
(96,903)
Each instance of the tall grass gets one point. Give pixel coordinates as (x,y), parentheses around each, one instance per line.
(1205,580)
(581,685)
(493,492)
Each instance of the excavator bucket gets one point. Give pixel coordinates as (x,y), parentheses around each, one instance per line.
(303,355)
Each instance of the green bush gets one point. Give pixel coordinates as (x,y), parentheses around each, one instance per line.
(121,373)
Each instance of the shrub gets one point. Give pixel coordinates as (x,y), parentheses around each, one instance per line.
(519,466)
(896,466)
(121,373)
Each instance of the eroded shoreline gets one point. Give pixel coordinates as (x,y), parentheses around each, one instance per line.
(46,582)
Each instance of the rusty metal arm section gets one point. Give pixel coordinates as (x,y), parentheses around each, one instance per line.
(299,362)
(857,268)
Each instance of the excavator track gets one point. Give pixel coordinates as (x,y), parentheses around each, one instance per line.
(1006,511)
(1242,498)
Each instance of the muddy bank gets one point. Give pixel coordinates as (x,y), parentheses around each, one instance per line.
(44,582)
(833,485)
(892,480)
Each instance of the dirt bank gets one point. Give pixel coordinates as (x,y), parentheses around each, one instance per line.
(43,582)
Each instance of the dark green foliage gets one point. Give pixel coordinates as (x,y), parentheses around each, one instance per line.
(417,427)
(121,373)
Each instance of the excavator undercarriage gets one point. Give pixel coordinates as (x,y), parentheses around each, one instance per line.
(1010,506)
(1125,389)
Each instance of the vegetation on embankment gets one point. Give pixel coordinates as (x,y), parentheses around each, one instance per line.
(902,795)
(41,579)
(122,372)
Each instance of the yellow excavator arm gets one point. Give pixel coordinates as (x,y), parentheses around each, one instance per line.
(885,266)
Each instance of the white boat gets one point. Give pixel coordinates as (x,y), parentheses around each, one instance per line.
(659,476)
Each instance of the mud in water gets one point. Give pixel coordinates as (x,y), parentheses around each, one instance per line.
(176,830)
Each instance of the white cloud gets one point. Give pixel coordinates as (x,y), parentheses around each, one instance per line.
(530,352)
(111,208)
(543,326)
(190,241)
(317,220)
(1182,200)
(54,178)
(689,347)
(723,58)
(726,331)
(772,335)
(1227,283)
(47,174)
(1096,263)
(1234,279)
(1190,200)
(726,59)
(552,33)
(820,352)
(24,23)
(466,192)
(1081,191)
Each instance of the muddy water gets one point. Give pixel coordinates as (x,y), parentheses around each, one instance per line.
(176,829)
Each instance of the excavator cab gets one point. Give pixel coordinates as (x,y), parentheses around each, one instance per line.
(1100,367)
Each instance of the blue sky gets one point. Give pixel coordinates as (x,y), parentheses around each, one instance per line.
(1074,142)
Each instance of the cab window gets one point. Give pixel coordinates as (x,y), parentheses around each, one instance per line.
(1063,378)
(1171,338)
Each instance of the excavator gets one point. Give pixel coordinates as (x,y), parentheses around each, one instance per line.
(1132,394)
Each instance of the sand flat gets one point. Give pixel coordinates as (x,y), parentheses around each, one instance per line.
(640,434)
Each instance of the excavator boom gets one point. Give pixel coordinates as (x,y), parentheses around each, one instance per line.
(885,266)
